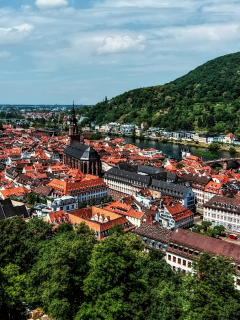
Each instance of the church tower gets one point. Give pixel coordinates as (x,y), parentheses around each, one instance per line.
(73,128)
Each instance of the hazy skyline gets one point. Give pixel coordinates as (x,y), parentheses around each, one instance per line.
(56,51)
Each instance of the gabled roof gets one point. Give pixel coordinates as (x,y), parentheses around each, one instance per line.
(178,211)
(230,135)
(154,232)
(81,152)
(201,243)
(131,176)
(196,178)
(170,189)
(7,210)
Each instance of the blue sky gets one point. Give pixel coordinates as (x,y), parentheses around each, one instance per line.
(56,51)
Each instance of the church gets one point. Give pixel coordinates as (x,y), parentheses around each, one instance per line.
(78,155)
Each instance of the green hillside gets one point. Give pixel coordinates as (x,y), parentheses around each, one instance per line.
(207,98)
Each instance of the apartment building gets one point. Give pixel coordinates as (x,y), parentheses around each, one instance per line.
(223,211)
(181,247)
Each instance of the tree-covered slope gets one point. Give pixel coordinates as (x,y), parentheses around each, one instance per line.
(207,98)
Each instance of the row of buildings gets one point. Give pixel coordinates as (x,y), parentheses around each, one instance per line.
(181,247)
(152,132)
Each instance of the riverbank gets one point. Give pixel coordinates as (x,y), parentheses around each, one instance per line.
(178,142)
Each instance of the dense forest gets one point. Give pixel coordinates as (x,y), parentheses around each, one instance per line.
(206,99)
(70,275)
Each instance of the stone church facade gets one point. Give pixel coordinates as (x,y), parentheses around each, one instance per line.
(78,155)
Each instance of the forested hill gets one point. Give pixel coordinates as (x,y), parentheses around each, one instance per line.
(207,98)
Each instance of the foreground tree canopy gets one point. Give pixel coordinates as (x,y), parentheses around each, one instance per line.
(70,275)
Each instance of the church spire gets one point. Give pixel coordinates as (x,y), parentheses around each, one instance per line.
(73,127)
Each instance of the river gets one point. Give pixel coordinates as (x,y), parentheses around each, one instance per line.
(174,150)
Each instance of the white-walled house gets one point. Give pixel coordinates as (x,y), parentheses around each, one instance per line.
(65,203)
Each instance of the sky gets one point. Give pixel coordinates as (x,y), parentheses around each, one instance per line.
(57,51)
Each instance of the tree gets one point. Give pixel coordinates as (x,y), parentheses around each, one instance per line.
(206,224)
(206,228)
(232,150)
(92,202)
(83,204)
(161,297)
(65,227)
(116,230)
(12,289)
(109,198)
(101,199)
(179,165)
(211,294)
(231,195)
(84,230)
(20,241)
(56,279)
(96,136)
(111,283)
(32,198)
(214,146)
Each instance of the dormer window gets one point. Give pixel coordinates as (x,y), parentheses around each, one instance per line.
(152,243)
(158,245)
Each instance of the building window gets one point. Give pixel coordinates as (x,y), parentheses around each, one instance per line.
(174,259)
(179,261)
(169,257)
(67,208)
(189,264)
(238,282)
(184,263)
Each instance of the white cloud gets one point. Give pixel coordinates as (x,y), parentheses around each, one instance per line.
(15,34)
(51,3)
(199,34)
(4,54)
(145,3)
(121,43)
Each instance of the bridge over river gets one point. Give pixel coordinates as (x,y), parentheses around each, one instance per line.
(223,162)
